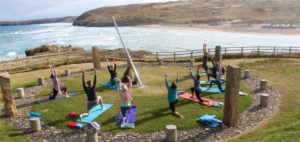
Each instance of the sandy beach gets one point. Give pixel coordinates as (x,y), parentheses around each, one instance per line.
(225,27)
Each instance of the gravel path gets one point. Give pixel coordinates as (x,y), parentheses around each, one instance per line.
(249,119)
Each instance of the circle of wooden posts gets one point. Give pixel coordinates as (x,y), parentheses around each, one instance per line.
(263,84)
(171,133)
(247,73)
(160,61)
(41,80)
(192,62)
(91,135)
(20,92)
(35,124)
(67,72)
(264,99)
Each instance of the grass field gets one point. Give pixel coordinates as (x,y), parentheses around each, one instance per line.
(153,112)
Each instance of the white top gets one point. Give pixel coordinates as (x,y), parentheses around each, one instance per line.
(220,74)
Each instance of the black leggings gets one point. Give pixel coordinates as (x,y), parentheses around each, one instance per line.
(172,105)
(198,92)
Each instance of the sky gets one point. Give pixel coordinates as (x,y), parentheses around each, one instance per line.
(18,10)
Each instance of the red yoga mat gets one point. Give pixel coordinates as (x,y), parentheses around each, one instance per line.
(188,96)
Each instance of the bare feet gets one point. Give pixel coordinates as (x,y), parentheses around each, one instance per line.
(208,88)
(44,99)
(67,96)
(130,111)
(177,114)
(192,96)
(123,121)
(80,117)
(103,108)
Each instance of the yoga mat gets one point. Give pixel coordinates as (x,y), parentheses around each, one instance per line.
(96,111)
(110,87)
(130,117)
(201,74)
(187,96)
(214,90)
(207,83)
(58,97)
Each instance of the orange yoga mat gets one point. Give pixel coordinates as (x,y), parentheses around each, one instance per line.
(188,96)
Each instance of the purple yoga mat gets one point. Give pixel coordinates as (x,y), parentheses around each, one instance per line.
(130,117)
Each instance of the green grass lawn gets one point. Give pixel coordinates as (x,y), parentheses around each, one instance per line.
(153,112)
(284,75)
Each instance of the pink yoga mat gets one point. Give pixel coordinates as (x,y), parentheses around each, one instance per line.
(188,96)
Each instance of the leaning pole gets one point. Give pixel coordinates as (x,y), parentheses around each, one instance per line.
(129,58)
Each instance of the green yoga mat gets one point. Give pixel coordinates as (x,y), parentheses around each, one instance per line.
(201,74)
(207,83)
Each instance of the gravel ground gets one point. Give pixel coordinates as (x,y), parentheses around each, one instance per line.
(249,119)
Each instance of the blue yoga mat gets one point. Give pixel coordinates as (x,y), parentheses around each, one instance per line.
(130,117)
(214,90)
(96,111)
(109,86)
(32,114)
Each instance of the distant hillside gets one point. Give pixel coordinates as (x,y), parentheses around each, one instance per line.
(68,19)
(185,12)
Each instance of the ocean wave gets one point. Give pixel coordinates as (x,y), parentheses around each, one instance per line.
(11,53)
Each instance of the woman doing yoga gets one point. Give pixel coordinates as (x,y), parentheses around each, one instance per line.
(204,61)
(197,87)
(113,74)
(218,78)
(125,95)
(91,95)
(214,69)
(172,94)
(57,87)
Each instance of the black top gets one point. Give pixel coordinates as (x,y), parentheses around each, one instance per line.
(204,60)
(214,69)
(113,74)
(90,91)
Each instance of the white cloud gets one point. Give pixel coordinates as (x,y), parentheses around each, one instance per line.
(17,10)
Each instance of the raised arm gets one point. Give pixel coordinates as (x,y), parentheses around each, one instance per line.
(115,64)
(130,84)
(95,78)
(166,81)
(54,72)
(191,73)
(107,64)
(83,82)
(204,47)
(120,83)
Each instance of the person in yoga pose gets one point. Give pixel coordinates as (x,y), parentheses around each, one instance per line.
(214,69)
(57,87)
(197,86)
(218,78)
(172,94)
(91,95)
(204,61)
(125,95)
(113,74)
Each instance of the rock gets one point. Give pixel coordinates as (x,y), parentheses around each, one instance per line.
(51,48)
(9,102)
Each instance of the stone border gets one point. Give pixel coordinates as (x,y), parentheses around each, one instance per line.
(249,119)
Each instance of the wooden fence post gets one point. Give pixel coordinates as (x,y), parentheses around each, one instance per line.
(257,51)
(274,51)
(242,51)
(67,58)
(85,56)
(4,65)
(174,56)
(157,56)
(48,61)
(192,54)
(27,64)
(225,51)
(290,51)
(140,57)
(208,52)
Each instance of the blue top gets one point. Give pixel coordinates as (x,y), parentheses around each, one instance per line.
(172,93)
(196,81)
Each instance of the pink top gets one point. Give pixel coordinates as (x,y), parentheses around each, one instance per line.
(55,81)
(125,96)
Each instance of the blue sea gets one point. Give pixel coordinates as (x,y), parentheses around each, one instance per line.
(14,40)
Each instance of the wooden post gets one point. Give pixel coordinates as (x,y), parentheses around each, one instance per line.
(67,58)
(192,54)
(8,98)
(20,92)
(257,51)
(91,136)
(4,66)
(96,57)
(157,56)
(27,64)
(41,80)
(218,53)
(208,52)
(174,56)
(160,61)
(140,57)
(231,108)
(86,56)
(48,61)
(35,124)
(263,84)
(242,51)
(192,63)
(274,51)
(264,99)
(290,51)
(225,51)
(247,73)
(67,72)
(171,133)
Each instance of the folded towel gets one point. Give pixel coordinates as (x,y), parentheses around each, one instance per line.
(32,114)
(78,126)
(127,125)
(72,124)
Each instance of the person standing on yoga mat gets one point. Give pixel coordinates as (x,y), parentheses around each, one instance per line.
(125,95)
(91,95)
(218,78)
(214,69)
(172,94)
(57,87)
(204,61)
(113,74)
(197,86)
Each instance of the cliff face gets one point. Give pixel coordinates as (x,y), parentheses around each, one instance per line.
(191,12)
(68,19)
